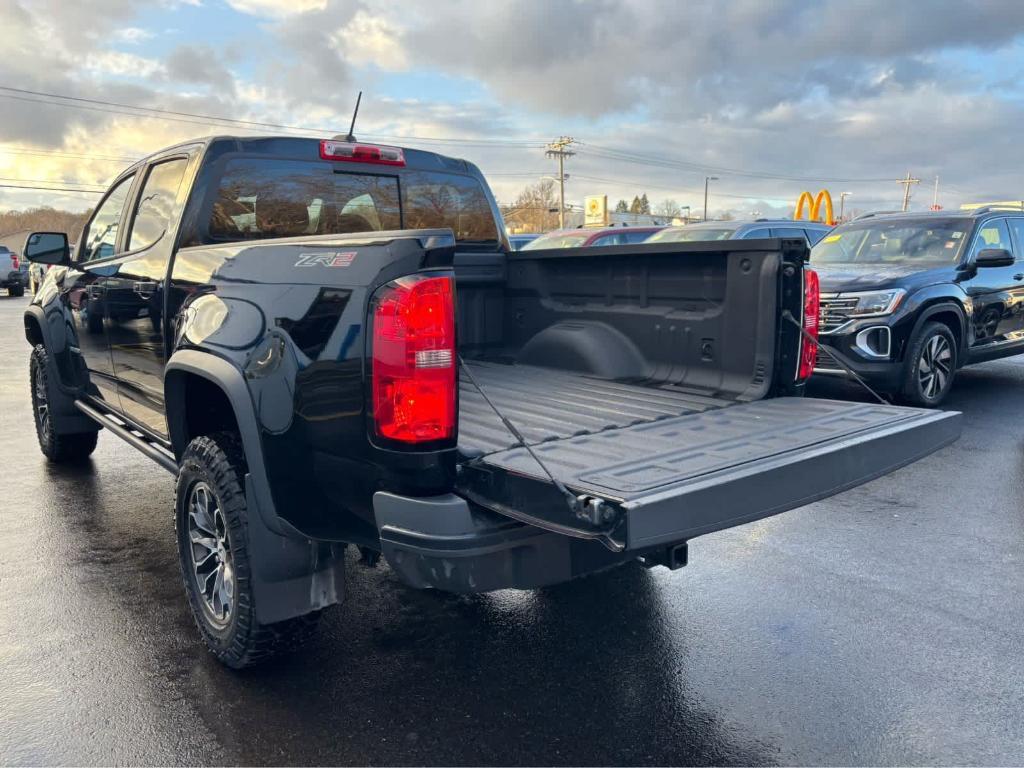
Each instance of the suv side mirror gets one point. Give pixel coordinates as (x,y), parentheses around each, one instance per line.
(48,248)
(993,257)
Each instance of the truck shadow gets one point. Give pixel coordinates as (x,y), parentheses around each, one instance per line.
(582,673)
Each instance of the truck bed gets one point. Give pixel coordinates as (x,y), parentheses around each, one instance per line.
(546,404)
(676,464)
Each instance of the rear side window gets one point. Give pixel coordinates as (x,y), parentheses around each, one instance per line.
(757,234)
(432,200)
(156,205)
(261,198)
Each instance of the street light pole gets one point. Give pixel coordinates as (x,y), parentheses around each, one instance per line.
(842,204)
(706,180)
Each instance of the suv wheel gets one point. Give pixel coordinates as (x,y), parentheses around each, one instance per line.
(55,445)
(16,290)
(931,366)
(210,522)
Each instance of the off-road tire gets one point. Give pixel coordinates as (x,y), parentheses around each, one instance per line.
(219,461)
(919,356)
(57,447)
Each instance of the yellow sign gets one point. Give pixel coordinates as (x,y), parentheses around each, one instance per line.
(595,211)
(814,204)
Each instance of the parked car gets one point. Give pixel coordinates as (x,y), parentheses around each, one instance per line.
(909,298)
(12,276)
(519,241)
(308,376)
(812,231)
(583,238)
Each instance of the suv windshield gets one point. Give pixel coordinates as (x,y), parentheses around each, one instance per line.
(691,234)
(925,240)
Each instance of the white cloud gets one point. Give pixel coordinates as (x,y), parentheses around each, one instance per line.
(122,64)
(372,39)
(132,35)
(276,8)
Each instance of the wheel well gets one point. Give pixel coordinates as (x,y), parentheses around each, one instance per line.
(952,320)
(33,333)
(196,406)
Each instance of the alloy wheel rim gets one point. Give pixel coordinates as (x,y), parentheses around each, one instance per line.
(935,366)
(212,563)
(42,404)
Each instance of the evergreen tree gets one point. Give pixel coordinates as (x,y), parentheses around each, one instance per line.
(635,205)
(622,207)
(645,204)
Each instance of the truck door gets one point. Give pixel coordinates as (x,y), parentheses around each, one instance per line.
(996,291)
(84,291)
(136,294)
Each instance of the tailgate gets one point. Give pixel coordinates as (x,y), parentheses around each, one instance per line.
(675,478)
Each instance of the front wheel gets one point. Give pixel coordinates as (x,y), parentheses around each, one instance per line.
(930,367)
(210,522)
(56,443)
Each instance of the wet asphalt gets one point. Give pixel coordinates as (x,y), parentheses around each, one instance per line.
(883,626)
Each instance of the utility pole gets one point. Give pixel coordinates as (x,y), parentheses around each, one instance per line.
(935,196)
(842,204)
(906,189)
(706,180)
(558,149)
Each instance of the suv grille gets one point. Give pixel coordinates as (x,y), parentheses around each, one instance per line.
(834,311)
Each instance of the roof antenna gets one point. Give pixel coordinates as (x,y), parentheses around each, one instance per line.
(355,114)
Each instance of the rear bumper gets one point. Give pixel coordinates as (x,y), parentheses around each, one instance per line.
(444,542)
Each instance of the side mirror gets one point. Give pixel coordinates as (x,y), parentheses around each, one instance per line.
(48,248)
(993,257)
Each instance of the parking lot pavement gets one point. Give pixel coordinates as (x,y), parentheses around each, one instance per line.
(882,626)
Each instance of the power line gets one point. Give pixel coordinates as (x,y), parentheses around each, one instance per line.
(53,189)
(101,105)
(97,187)
(60,153)
(609,153)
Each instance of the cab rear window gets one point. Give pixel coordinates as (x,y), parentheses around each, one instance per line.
(263,198)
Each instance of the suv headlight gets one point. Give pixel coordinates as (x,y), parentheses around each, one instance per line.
(874,303)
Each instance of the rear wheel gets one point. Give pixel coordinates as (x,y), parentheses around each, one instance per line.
(16,290)
(55,445)
(930,367)
(210,521)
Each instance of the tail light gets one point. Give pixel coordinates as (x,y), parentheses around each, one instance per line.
(414,387)
(15,263)
(812,304)
(361,153)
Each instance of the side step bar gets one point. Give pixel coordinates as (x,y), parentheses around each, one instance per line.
(133,438)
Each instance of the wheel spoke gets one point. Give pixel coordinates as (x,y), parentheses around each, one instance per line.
(211,554)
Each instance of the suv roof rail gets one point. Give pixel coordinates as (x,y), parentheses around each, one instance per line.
(995,207)
(876,213)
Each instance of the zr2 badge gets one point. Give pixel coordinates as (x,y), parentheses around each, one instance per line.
(328,259)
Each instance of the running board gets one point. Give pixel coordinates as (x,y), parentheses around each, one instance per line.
(130,436)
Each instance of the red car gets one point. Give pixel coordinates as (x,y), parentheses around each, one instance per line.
(579,238)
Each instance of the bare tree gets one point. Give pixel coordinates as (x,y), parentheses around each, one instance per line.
(535,209)
(669,209)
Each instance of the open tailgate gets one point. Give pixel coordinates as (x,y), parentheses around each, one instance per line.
(674,478)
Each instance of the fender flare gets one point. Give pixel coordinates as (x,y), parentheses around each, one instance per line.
(62,401)
(292,574)
(944,305)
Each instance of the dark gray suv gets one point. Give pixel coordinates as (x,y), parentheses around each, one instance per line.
(812,231)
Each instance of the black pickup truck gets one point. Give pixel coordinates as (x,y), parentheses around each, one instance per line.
(331,343)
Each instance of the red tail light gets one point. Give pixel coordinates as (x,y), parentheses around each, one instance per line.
(15,263)
(414,372)
(812,303)
(361,153)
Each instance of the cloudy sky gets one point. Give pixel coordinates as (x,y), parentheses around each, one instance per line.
(771,96)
